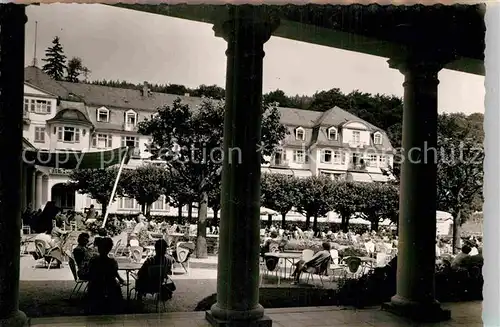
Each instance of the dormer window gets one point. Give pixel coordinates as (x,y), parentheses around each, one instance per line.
(377,138)
(300,134)
(103,115)
(130,118)
(332,133)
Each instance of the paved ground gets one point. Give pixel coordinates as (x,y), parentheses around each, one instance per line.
(463,314)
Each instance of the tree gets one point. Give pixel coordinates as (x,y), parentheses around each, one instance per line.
(214,200)
(459,179)
(380,201)
(315,198)
(75,69)
(209,91)
(190,141)
(97,183)
(145,184)
(55,60)
(280,193)
(346,200)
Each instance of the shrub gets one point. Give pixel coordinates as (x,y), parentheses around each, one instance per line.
(110,229)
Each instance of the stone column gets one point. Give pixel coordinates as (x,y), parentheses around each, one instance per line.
(24,189)
(39,191)
(415,297)
(12,20)
(246,30)
(33,190)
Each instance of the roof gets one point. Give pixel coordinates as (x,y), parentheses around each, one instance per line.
(96,96)
(71,115)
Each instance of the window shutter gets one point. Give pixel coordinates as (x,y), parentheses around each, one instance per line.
(124,143)
(77,135)
(94,141)
(110,141)
(342,157)
(306,156)
(59,133)
(294,156)
(283,153)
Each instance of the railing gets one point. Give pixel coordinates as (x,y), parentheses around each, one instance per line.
(357,166)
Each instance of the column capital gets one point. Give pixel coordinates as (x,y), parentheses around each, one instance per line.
(428,62)
(247,24)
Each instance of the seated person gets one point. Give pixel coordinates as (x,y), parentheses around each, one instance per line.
(53,247)
(459,258)
(104,281)
(315,264)
(83,254)
(146,282)
(265,248)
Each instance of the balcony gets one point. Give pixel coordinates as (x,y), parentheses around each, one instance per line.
(279,163)
(357,166)
(129,127)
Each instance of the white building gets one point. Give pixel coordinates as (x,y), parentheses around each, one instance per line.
(82,117)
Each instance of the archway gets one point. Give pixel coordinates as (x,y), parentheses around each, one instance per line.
(63,196)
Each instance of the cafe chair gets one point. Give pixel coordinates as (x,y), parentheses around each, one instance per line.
(78,282)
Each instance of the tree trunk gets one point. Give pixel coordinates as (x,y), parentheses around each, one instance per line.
(308,221)
(216,216)
(315,224)
(456,231)
(190,212)
(269,221)
(201,239)
(148,210)
(283,220)
(179,213)
(374,225)
(345,224)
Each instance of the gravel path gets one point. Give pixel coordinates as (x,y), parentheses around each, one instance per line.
(51,298)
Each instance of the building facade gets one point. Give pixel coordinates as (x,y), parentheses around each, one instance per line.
(62,116)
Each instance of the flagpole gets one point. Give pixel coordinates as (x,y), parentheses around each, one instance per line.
(115,187)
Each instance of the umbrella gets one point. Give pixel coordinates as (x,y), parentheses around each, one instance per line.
(266,211)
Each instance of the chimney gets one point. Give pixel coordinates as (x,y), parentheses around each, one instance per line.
(145,89)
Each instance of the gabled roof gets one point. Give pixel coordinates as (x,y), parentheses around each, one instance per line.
(39,89)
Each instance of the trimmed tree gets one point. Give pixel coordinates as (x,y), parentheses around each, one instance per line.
(380,201)
(145,184)
(347,200)
(280,193)
(459,179)
(315,198)
(55,60)
(191,142)
(96,183)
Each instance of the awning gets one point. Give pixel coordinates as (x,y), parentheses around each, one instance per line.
(359,177)
(302,173)
(69,159)
(379,178)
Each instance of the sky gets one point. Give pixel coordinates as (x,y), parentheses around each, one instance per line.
(121,44)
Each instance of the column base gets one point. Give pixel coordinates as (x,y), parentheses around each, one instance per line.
(415,311)
(219,317)
(16,319)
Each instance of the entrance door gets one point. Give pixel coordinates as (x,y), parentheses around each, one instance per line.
(63,197)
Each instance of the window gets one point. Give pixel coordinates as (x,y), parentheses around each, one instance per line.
(299,156)
(40,134)
(356,136)
(337,157)
(372,159)
(130,118)
(102,141)
(103,115)
(68,134)
(160,204)
(383,160)
(131,141)
(37,106)
(128,203)
(326,156)
(356,159)
(332,133)
(300,134)
(377,138)
(279,158)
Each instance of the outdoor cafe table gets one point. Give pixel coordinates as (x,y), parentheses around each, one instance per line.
(286,256)
(128,267)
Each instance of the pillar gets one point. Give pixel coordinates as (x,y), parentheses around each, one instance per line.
(24,189)
(246,30)
(33,189)
(39,191)
(415,296)
(12,20)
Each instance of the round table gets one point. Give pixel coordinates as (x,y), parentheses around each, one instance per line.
(128,267)
(286,256)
